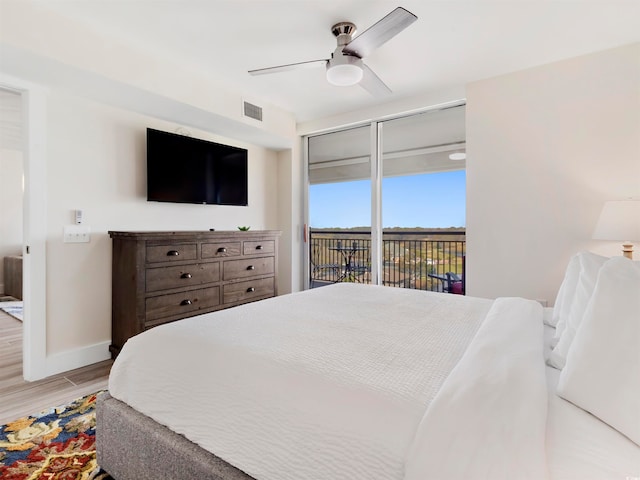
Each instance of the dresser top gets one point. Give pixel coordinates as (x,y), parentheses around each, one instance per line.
(179,234)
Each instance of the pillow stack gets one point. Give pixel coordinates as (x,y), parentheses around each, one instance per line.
(562,306)
(576,291)
(599,346)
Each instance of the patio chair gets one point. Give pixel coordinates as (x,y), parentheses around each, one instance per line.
(360,263)
(317,267)
(453,284)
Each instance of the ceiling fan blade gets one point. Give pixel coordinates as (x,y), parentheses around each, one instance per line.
(286,68)
(372,83)
(379,33)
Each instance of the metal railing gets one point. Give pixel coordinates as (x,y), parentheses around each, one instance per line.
(419,259)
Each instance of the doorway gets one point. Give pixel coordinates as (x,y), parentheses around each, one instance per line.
(11,224)
(340,207)
(406,175)
(29,102)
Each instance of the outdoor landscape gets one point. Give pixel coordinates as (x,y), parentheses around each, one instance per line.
(416,258)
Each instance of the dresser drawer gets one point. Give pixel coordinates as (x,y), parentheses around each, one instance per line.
(252,248)
(171,252)
(245,291)
(162,278)
(251,267)
(184,302)
(215,250)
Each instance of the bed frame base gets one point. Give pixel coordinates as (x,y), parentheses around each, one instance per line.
(132,446)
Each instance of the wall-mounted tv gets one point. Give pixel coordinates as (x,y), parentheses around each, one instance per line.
(183,169)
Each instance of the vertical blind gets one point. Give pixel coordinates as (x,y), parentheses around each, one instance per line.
(414,144)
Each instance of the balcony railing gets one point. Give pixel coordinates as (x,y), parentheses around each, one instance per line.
(419,259)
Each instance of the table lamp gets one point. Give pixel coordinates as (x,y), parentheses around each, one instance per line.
(620,220)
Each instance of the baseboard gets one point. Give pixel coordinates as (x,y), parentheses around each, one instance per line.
(80,357)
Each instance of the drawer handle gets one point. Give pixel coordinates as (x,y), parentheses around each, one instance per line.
(222,250)
(259,247)
(251,290)
(251,267)
(173,253)
(185,275)
(185,302)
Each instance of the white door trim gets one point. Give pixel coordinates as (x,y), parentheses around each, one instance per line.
(34,343)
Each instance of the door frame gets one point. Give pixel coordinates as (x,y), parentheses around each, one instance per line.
(376,163)
(34,338)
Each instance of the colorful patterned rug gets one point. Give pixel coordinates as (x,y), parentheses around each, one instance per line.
(57,444)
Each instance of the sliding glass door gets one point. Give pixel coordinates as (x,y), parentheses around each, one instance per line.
(339,235)
(386,203)
(423,201)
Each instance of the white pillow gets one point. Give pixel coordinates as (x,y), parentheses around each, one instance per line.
(562,305)
(590,264)
(602,373)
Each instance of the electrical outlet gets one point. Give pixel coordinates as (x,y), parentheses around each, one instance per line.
(76,234)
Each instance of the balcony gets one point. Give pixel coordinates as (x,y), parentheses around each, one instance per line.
(419,259)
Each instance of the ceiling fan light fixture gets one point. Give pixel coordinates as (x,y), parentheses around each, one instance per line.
(344,75)
(344,71)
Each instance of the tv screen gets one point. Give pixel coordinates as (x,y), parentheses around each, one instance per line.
(182,169)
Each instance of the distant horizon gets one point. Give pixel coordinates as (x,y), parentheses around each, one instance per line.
(387,228)
(432,200)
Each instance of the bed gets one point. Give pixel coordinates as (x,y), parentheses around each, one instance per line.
(360,382)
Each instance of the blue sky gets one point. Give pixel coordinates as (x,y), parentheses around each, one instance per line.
(435,200)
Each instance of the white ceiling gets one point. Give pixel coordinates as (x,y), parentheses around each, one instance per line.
(452,43)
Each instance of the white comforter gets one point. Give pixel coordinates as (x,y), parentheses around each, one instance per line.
(489,419)
(351,382)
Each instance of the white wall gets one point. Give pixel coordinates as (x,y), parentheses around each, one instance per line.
(43,47)
(11,171)
(96,162)
(545,148)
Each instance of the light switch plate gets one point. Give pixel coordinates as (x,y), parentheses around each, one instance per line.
(77,234)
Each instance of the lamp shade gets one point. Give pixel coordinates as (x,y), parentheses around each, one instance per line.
(619,220)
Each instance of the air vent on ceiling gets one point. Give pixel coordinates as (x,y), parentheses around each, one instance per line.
(252,111)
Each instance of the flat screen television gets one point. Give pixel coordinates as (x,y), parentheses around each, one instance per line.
(183,169)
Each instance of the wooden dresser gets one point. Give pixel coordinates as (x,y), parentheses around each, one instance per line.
(13,276)
(159,277)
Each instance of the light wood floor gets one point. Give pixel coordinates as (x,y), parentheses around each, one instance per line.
(19,398)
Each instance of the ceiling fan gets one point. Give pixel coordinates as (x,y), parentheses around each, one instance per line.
(345,67)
